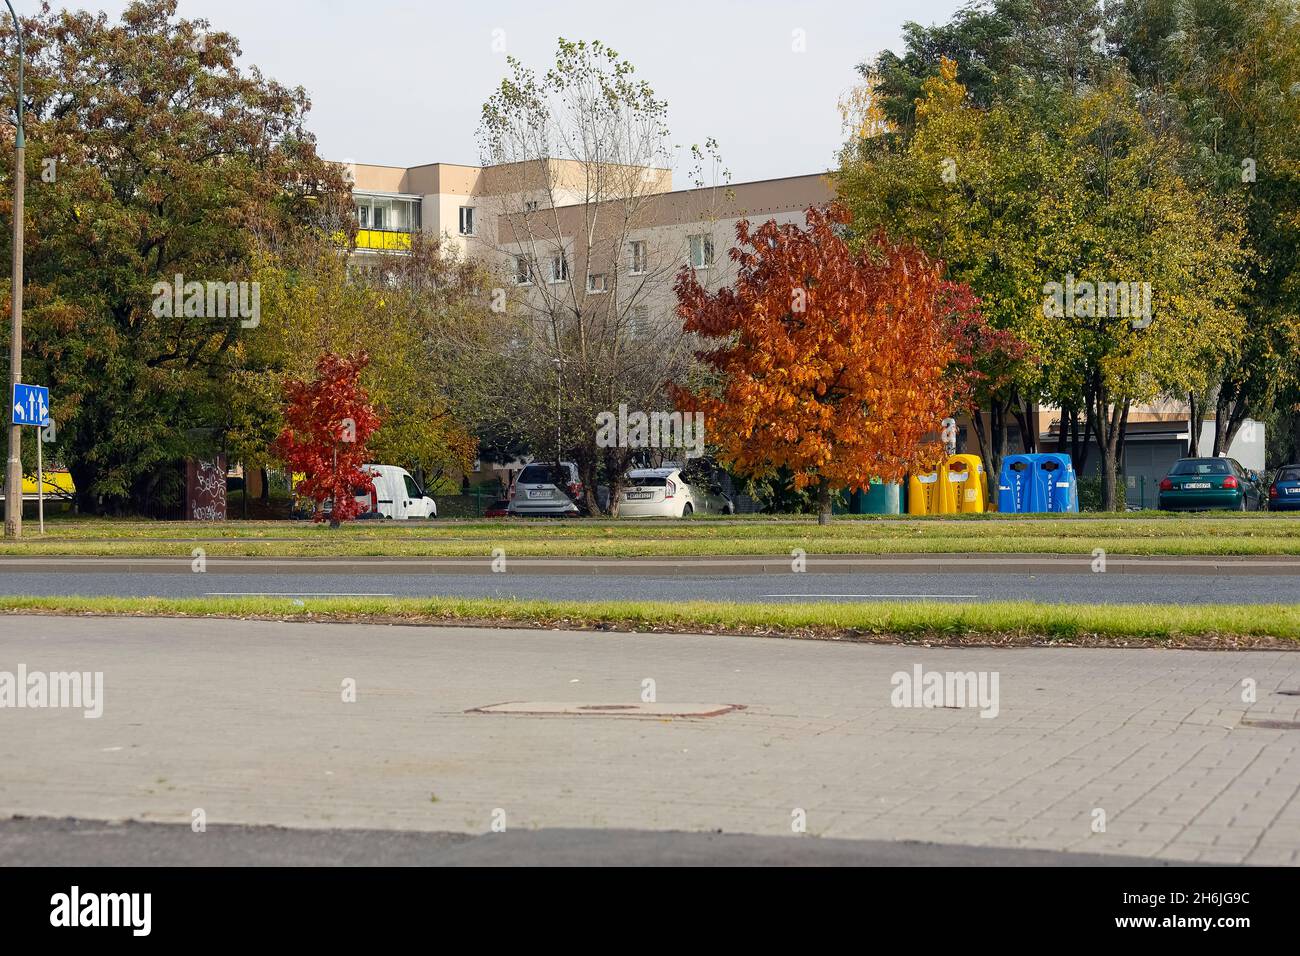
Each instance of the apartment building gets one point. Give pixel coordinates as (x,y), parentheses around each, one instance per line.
(610,232)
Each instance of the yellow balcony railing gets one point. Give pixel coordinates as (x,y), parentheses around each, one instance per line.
(383,240)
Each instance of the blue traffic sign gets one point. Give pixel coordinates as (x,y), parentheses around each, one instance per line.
(31,405)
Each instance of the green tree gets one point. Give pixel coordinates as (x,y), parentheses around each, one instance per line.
(162,158)
(1049,185)
(1233,69)
(435,371)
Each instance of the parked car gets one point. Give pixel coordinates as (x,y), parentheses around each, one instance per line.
(547,490)
(397,494)
(665,493)
(1284,493)
(498,509)
(1197,484)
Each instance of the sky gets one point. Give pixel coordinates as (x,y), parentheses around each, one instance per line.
(401,83)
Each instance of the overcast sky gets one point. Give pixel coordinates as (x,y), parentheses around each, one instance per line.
(401,83)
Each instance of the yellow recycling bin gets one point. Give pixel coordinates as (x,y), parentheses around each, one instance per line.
(968,483)
(930,493)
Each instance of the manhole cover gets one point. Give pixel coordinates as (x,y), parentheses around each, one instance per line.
(608,707)
(1271,724)
(575,709)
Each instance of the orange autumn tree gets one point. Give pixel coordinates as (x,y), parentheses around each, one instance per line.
(829,362)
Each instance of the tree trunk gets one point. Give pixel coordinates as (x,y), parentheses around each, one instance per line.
(823,501)
(982,440)
(1112,423)
(1027,420)
(1230,414)
(1195,416)
(87,503)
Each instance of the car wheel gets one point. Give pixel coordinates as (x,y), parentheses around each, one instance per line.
(687,510)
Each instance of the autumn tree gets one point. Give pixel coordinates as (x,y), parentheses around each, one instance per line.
(329,420)
(830,362)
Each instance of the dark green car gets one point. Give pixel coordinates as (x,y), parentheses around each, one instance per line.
(1197,484)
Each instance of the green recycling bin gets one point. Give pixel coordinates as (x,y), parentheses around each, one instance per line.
(881,498)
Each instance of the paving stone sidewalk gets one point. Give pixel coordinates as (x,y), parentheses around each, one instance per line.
(246,721)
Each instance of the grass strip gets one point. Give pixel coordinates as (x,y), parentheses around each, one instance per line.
(1009,622)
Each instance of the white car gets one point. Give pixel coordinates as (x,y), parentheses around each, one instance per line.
(664,493)
(397,495)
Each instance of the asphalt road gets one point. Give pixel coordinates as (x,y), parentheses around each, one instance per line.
(44,842)
(1057,587)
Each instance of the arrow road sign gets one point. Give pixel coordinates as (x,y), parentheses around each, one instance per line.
(31,405)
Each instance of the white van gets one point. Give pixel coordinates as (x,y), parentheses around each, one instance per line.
(396,494)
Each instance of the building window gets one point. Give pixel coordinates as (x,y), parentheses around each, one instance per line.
(640,321)
(467,220)
(637,255)
(701,251)
(531,206)
(388,213)
(523,272)
(597,282)
(559,268)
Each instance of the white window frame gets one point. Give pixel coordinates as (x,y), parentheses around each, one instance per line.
(464,218)
(706,249)
(634,260)
(604,283)
(563,273)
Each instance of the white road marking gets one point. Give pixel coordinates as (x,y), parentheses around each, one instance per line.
(964,597)
(294,594)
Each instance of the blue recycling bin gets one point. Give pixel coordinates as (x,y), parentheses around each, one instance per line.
(1014,483)
(1054,488)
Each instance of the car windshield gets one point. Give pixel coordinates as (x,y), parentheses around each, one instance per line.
(544,475)
(1289,474)
(1201,466)
(647,481)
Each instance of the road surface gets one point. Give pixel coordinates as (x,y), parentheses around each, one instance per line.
(913,577)
(1161,754)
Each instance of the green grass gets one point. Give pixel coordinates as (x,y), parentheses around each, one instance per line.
(995,622)
(1141,533)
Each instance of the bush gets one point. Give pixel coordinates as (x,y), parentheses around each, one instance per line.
(1090,493)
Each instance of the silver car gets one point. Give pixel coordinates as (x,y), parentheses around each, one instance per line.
(547,490)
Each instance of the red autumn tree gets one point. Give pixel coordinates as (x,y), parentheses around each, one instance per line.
(830,362)
(329,420)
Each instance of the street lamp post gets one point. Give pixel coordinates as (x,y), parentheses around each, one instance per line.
(558,393)
(14,471)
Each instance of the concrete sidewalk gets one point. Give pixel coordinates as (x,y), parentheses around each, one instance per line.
(247,722)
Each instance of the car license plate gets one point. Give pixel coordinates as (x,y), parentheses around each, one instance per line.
(538,493)
(1292,491)
(1197,484)
(639,495)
